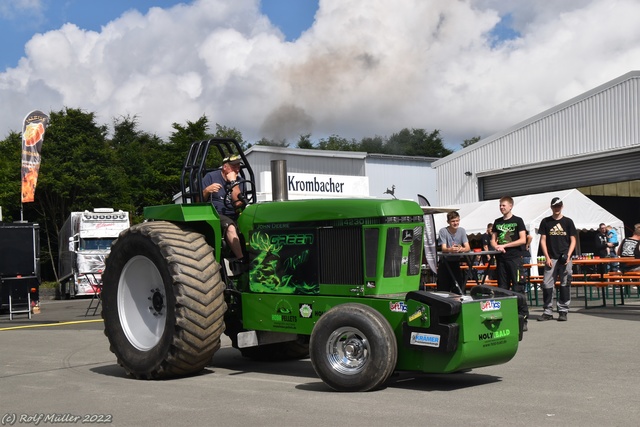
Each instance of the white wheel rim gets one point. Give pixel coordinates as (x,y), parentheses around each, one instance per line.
(142,303)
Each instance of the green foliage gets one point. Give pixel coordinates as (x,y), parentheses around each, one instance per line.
(336,143)
(10,184)
(417,142)
(226,132)
(470,141)
(373,145)
(305,141)
(407,142)
(272,142)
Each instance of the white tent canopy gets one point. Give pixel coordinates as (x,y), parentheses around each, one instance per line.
(585,213)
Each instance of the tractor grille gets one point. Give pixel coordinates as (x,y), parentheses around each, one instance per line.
(415,252)
(340,256)
(392,253)
(371,238)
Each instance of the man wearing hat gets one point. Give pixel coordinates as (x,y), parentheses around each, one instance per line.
(216,189)
(557,240)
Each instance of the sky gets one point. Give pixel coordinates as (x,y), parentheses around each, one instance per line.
(282,68)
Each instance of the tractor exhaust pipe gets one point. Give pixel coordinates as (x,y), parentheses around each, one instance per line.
(279,189)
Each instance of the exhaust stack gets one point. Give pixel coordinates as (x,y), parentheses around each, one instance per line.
(279,189)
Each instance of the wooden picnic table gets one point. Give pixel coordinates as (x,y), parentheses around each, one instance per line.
(604,279)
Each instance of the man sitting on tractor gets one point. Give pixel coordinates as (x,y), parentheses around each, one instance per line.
(223,188)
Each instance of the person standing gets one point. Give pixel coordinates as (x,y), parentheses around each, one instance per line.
(486,246)
(509,238)
(630,247)
(602,247)
(558,241)
(486,240)
(526,253)
(612,238)
(453,239)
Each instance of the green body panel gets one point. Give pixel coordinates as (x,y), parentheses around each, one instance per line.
(298,314)
(282,238)
(202,215)
(488,335)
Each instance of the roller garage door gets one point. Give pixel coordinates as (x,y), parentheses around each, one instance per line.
(562,176)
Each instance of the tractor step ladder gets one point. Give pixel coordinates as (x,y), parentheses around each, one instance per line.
(16,309)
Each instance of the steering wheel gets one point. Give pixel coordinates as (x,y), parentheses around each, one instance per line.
(248,199)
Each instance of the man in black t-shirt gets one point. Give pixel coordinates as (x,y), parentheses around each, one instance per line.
(557,240)
(509,237)
(630,247)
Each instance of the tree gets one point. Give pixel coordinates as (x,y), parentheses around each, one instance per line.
(305,141)
(170,160)
(230,132)
(10,180)
(417,142)
(373,145)
(470,141)
(136,152)
(337,143)
(272,142)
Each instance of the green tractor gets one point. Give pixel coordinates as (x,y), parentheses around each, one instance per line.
(336,280)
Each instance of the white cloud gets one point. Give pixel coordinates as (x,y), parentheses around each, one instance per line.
(364,68)
(10,8)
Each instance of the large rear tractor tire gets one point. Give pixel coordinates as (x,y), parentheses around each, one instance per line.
(163,303)
(353,348)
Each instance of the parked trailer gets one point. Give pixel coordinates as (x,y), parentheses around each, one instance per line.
(19,262)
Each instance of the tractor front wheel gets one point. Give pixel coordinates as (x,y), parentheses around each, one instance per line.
(163,303)
(353,348)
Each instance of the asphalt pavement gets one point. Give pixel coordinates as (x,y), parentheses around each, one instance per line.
(57,367)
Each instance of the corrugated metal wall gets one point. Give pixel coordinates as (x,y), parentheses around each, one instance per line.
(601,121)
(410,177)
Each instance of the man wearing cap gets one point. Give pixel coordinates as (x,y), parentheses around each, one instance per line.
(557,240)
(216,189)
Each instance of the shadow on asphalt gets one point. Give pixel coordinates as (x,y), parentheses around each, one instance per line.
(230,358)
(117,371)
(620,312)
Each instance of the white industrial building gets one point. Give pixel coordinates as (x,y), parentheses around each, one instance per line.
(590,142)
(325,174)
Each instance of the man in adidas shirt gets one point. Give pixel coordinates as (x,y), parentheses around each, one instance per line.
(557,240)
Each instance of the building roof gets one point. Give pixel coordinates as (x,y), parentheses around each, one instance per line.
(604,87)
(333,154)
